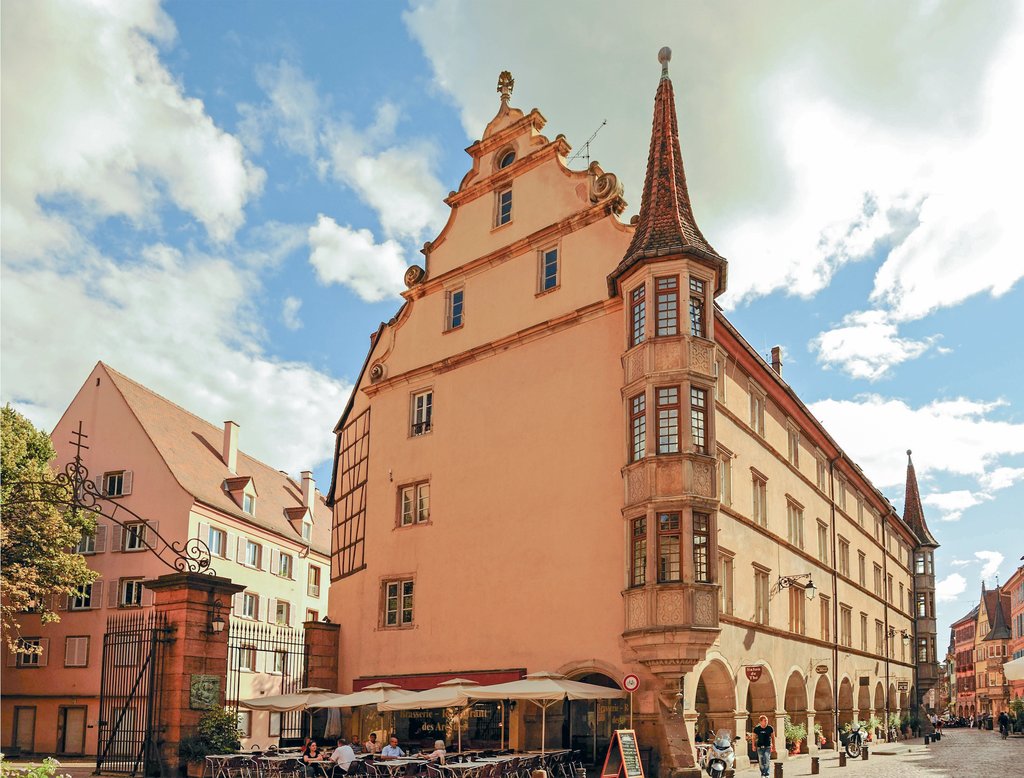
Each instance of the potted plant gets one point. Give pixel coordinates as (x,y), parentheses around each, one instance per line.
(819,735)
(873,724)
(795,733)
(216,733)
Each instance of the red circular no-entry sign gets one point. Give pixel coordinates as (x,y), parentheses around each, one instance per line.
(631,683)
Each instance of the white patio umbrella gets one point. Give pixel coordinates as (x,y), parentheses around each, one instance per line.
(450,694)
(303,699)
(544,690)
(1014,670)
(374,694)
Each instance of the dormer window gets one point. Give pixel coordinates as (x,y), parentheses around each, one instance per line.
(507,159)
(249,504)
(307,530)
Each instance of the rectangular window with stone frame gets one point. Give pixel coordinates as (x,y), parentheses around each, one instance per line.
(666,303)
(725,581)
(669,567)
(638,552)
(701,548)
(761,595)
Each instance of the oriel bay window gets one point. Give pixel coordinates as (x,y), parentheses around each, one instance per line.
(668,548)
(638,552)
(701,554)
(696,307)
(638,315)
(698,419)
(667,407)
(667,304)
(637,427)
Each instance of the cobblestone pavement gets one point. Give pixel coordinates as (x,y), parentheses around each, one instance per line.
(961,753)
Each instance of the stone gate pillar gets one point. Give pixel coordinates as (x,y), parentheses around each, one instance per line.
(322,654)
(195,657)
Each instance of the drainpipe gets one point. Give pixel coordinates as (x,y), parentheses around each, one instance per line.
(835,601)
(885,610)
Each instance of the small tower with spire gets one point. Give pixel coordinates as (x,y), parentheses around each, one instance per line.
(925,630)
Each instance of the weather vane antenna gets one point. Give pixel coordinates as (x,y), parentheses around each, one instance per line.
(585,148)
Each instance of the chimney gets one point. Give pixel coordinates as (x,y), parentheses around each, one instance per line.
(308,488)
(230,445)
(777,359)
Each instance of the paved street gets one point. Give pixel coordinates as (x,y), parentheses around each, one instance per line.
(962,753)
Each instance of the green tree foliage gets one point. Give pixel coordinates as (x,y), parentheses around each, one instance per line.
(37,534)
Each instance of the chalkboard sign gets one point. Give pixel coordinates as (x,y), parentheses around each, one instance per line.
(623,759)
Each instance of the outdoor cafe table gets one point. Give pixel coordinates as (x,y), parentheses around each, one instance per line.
(392,765)
(218,764)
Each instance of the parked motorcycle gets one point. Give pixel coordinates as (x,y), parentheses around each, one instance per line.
(720,755)
(854,740)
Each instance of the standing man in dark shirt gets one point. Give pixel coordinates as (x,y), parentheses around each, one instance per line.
(763,738)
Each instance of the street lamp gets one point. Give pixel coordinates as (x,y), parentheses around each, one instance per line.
(787,581)
(217,623)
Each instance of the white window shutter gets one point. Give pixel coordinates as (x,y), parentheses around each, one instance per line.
(236,604)
(101,538)
(203,533)
(99,483)
(275,556)
(151,535)
(147,596)
(118,538)
(241,549)
(265,552)
(113,593)
(97,594)
(127,482)
(230,545)
(271,609)
(44,657)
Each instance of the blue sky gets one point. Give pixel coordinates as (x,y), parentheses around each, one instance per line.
(219,199)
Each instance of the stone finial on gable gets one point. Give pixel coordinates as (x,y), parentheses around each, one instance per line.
(505,85)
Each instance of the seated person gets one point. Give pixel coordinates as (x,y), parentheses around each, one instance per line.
(343,755)
(391,750)
(313,754)
(371,746)
(438,754)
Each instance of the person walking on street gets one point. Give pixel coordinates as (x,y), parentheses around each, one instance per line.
(1004,725)
(763,741)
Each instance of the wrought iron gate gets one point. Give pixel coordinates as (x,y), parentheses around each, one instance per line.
(130,694)
(267,659)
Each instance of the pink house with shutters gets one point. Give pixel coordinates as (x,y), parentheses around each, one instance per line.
(188,479)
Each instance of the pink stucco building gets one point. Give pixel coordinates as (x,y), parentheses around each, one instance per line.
(188,479)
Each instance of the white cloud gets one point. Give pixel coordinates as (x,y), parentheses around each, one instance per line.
(91,114)
(182,325)
(342,255)
(290,313)
(961,562)
(990,562)
(959,436)
(852,135)
(867,345)
(1002,478)
(950,587)
(396,179)
(952,504)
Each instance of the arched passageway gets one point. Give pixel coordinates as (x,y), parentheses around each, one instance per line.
(845,702)
(863,700)
(823,714)
(715,700)
(587,725)
(795,703)
(761,699)
(893,700)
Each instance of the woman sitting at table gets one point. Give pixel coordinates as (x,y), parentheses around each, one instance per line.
(438,754)
(313,754)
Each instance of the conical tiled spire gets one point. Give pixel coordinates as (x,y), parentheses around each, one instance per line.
(666,224)
(913,513)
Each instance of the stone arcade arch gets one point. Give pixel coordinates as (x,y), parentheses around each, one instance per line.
(863,700)
(760,697)
(795,702)
(894,700)
(714,698)
(845,701)
(823,709)
(880,703)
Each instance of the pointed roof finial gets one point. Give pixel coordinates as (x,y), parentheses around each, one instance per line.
(663,57)
(913,512)
(505,85)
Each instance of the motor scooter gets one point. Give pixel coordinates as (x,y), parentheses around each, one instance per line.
(720,754)
(853,740)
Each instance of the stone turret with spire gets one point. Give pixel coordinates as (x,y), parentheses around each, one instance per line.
(926,632)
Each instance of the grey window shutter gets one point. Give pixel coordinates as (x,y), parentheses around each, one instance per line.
(113,592)
(99,484)
(118,538)
(97,594)
(264,556)
(127,482)
(271,609)
(241,549)
(275,556)
(101,538)
(151,535)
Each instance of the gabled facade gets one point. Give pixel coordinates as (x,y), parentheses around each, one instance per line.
(991,651)
(189,480)
(1015,586)
(560,455)
(963,636)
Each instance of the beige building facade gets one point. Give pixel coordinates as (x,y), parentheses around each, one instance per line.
(189,480)
(560,455)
